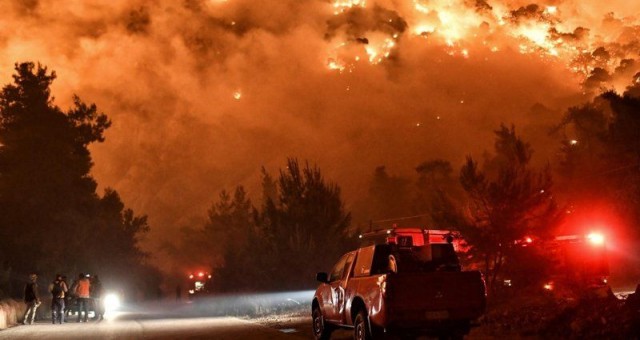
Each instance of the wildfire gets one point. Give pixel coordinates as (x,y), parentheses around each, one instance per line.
(377,52)
(334,64)
(341,6)
(458,25)
(424,29)
(420,7)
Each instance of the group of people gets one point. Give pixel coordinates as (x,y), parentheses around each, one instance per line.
(79,297)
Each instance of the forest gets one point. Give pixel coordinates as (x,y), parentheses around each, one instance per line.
(53,220)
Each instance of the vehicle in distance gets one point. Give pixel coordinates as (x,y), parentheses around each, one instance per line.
(199,285)
(405,285)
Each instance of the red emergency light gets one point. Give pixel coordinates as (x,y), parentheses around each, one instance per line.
(596,239)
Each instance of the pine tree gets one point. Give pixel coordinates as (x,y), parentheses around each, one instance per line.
(507,202)
(51,218)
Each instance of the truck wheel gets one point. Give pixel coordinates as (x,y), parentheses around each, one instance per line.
(321,330)
(361,327)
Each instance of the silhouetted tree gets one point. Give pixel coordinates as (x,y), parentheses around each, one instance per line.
(300,229)
(307,225)
(390,196)
(599,168)
(231,221)
(434,186)
(51,218)
(507,204)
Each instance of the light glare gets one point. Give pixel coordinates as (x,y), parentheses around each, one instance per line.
(111,303)
(596,238)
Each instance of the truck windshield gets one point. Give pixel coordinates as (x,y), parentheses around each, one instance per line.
(433,257)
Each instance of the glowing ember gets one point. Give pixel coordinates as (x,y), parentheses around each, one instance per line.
(334,64)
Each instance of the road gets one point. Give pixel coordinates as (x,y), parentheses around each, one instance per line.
(165,321)
(191,328)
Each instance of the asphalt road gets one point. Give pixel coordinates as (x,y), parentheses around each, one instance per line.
(191,328)
(170,321)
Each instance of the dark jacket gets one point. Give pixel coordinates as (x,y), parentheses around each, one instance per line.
(31,292)
(58,289)
(96,289)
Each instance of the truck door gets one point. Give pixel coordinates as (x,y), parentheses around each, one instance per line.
(337,283)
(340,290)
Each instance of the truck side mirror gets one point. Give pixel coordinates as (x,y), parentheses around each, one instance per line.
(322,277)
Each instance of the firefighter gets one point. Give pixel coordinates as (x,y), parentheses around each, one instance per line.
(83,296)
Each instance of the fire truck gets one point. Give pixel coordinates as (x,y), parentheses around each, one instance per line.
(199,284)
(580,261)
(576,262)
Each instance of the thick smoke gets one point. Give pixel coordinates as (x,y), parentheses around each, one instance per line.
(203,93)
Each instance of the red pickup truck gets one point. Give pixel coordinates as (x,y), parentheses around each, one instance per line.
(398,288)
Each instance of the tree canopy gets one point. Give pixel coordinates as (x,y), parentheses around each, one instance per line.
(51,218)
(300,228)
(507,201)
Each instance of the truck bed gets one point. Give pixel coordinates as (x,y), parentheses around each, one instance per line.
(418,298)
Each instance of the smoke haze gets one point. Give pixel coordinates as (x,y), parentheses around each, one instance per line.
(203,93)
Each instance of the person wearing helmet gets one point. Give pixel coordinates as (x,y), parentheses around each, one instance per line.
(31,299)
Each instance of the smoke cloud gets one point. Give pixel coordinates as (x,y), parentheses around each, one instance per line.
(203,93)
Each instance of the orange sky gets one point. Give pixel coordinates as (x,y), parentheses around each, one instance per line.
(203,93)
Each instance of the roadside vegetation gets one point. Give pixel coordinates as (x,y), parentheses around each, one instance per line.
(52,219)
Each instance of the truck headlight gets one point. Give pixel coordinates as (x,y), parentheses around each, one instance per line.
(111,302)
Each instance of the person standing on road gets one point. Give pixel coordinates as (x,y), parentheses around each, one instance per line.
(83,294)
(96,294)
(68,297)
(58,289)
(31,299)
